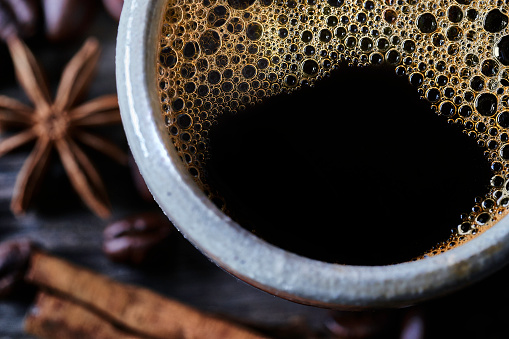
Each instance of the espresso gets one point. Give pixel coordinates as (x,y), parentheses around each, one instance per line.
(351,132)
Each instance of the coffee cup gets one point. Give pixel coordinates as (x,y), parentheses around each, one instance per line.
(237,250)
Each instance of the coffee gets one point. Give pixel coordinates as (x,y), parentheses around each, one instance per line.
(302,120)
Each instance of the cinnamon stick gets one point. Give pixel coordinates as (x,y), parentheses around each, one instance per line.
(134,308)
(53,317)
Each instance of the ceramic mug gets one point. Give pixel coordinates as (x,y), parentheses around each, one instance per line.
(241,253)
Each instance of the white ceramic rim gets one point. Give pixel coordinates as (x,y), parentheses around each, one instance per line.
(239,252)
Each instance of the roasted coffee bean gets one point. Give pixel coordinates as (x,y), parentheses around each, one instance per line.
(64,19)
(138,239)
(114,7)
(362,324)
(14,258)
(18,17)
(413,325)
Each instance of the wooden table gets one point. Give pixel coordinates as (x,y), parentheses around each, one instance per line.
(59,221)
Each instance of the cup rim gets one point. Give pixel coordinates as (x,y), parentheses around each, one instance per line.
(239,252)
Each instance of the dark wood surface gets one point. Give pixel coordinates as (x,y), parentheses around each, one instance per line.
(61,223)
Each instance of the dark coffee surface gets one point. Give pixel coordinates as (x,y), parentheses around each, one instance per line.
(355,170)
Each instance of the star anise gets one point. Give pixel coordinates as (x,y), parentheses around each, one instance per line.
(58,124)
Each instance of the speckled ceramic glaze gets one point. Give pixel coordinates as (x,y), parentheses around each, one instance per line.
(247,257)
